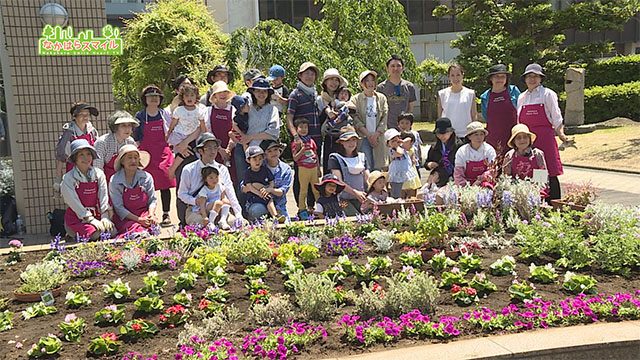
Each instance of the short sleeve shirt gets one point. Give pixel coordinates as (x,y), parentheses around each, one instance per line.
(398,98)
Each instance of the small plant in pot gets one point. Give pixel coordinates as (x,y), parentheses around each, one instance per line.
(40,277)
(434,227)
(577,196)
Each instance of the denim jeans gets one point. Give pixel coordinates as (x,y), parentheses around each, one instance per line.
(367,149)
(255,211)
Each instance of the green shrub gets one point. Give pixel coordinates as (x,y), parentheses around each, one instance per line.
(605,102)
(613,71)
(315,295)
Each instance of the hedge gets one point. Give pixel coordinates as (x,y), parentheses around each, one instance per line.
(613,71)
(602,103)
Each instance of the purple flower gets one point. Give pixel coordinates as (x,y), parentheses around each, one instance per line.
(345,245)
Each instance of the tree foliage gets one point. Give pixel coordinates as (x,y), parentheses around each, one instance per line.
(353,35)
(174,37)
(518,32)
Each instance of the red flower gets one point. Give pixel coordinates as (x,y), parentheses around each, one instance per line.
(109,336)
(163,318)
(376,287)
(339,288)
(471,291)
(204,303)
(455,288)
(136,327)
(176,309)
(263,292)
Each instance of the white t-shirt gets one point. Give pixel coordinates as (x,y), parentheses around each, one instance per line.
(372,114)
(466,153)
(457,107)
(188,122)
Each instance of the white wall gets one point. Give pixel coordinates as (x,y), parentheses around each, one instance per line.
(233,14)
(436,45)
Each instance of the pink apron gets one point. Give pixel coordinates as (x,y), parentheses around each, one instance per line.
(136,201)
(474,169)
(87,137)
(501,117)
(536,119)
(109,167)
(153,141)
(220,122)
(88,195)
(522,166)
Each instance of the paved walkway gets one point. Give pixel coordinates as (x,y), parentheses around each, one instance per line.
(614,187)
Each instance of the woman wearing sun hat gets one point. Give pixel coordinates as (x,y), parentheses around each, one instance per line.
(332,83)
(150,136)
(538,109)
(264,124)
(499,107)
(350,166)
(84,190)
(219,119)
(121,125)
(132,192)
(370,120)
(473,159)
(523,158)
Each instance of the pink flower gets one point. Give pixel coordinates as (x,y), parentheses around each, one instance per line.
(19,345)
(70,318)
(15,243)
(136,327)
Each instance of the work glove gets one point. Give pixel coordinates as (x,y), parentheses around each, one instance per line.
(95,223)
(107,224)
(571,142)
(57,182)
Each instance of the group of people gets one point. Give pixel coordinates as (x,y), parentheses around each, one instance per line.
(350,151)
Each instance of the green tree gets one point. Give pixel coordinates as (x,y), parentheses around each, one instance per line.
(518,32)
(174,37)
(353,35)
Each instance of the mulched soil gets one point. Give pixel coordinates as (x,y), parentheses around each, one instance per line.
(164,343)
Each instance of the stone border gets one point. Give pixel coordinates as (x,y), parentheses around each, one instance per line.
(620,340)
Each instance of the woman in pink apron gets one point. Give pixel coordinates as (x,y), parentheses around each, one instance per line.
(538,109)
(121,125)
(132,192)
(79,128)
(523,158)
(84,189)
(473,159)
(150,135)
(499,107)
(219,119)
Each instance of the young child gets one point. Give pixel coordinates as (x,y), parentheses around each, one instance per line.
(523,158)
(256,179)
(411,186)
(344,94)
(212,199)
(186,120)
(400,165)
(377,192)
(328,205)
(280,90)
(437,179)
(405,123)
(473,159)
(80,127)
(304,154)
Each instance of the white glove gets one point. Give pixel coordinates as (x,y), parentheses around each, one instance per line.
(57,182)
(107,224)
(96,224)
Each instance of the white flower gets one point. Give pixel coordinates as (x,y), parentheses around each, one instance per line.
(152,274)
(70,317)
(70,295)
(532,267)
(568,276)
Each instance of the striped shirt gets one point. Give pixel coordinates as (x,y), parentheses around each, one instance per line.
(303,105)
(107,147)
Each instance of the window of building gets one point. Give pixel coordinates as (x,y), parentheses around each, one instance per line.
(292,12)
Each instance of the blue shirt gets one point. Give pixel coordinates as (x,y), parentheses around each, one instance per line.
(283,179)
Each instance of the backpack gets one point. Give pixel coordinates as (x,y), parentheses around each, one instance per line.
(8,216)
(56,219)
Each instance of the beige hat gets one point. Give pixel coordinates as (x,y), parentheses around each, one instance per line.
(520,129)
(333,72)
(476,126)
(144,156)
(218,87)
(366,73)
(373,177)
(308,65)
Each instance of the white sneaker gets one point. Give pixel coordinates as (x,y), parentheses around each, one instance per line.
(224,225)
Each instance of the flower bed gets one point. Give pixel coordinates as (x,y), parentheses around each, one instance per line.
(313,292)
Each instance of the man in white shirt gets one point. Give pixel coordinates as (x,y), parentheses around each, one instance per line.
(191,178)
